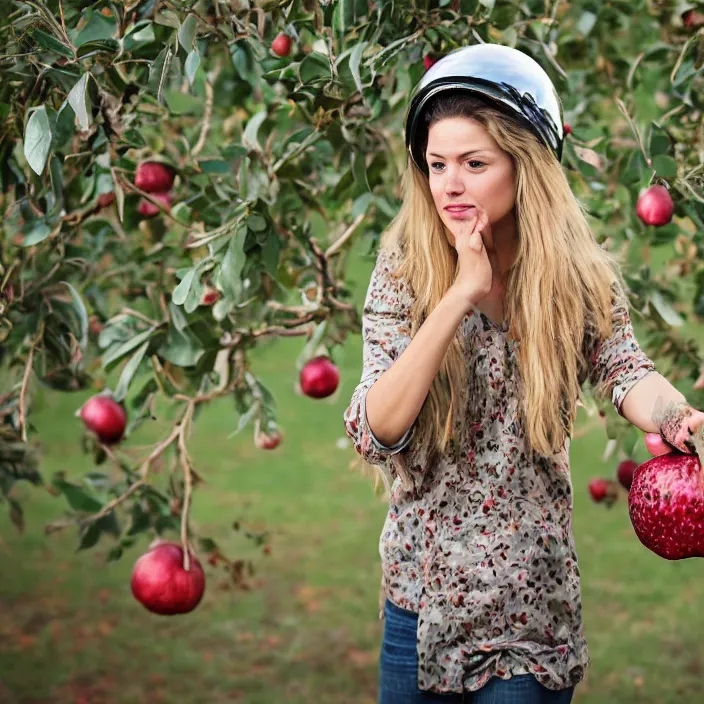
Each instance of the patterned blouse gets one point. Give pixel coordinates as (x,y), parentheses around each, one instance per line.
(482,548)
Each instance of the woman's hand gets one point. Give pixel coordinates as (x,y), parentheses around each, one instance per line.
(475,273)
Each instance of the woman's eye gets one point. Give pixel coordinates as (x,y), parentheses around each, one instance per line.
(473,161)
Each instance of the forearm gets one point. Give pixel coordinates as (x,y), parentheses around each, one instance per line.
(640,402)
(395,399)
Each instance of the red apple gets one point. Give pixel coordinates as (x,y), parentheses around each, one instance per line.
(319,378)
(105,199)
(567,128)
(154,177)
(148,209)
(655,206)
(599,489)
(429,61)
(105,417)
(666,505)
(624,473)
(693,19)
(162,585)
(267,441)
(210,295)
(281,45)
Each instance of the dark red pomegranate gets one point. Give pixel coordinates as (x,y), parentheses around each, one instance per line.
(666,505)
(429,61)
(319,378)
(148,209)
(655,206)
(624,473)
(567,128)
(154,177)
(105,417)
(162,585)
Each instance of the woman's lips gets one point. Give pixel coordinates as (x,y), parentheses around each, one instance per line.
(460,212)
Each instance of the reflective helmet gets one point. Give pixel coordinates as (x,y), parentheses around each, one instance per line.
(504,75)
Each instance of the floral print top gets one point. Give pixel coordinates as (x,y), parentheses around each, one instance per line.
(482,549)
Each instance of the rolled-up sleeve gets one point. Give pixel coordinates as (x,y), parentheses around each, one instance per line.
(618,363)
(385,334)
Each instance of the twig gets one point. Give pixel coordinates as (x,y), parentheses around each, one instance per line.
(335,247)
(115,502)
(25,382)
(207,115)
(148,196)
(634,129)
(129,311)
(284,332)
(188,482)
(158,450)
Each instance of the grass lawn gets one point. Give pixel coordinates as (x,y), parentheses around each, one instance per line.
(307,631)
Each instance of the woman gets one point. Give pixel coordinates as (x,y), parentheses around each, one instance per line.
(489,306)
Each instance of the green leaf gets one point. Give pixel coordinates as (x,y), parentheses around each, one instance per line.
(315,65)
(82,314)
(355,59)
(243,62)
(97,27)
(181,348)
(111,46)
(665,310)
(249,136)
(187,33)
(191,65)
(181,291)
(256,223)
(78,498)
(140,34)
(665,166)
(158,72)
(80,101)
(89,536)
(36,235)
(585,23)
(129,371)
(37,140)
(50,43)
(229,277)
(119,351)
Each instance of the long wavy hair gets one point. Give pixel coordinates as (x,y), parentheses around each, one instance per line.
(558,287)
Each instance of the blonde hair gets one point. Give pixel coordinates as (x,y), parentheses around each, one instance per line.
(558,287)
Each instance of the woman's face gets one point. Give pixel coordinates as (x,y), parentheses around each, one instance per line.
(486,176)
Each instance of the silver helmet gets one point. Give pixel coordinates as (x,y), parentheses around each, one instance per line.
(504,75)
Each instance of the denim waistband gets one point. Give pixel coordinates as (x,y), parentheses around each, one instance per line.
(407,613)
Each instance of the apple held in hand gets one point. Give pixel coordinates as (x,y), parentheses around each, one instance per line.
(666,505)
(162,585)
(105,417)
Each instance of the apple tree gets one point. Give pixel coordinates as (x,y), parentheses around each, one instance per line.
(162,163)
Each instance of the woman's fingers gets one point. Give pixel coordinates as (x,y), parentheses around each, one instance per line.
(656,445)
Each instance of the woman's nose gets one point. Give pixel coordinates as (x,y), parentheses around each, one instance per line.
(453,184)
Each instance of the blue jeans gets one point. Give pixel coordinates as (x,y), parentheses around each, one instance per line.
(398,672)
